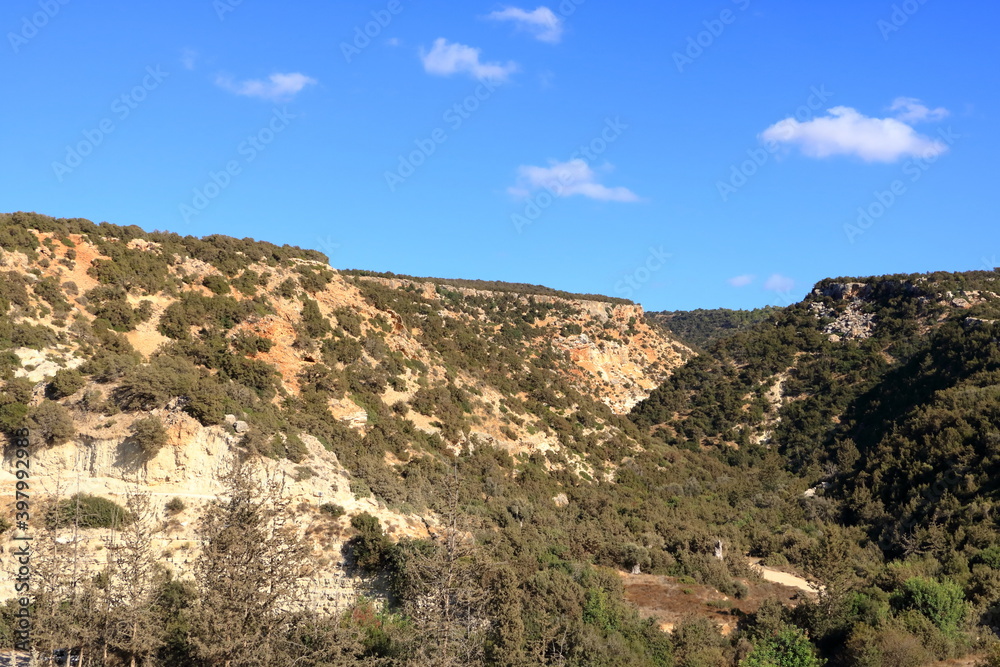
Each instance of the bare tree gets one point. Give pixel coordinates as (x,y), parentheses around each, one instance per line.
(133,579)
(64,599)
(447,599)
(249,573)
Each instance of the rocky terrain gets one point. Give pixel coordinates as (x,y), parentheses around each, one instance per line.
(605,350)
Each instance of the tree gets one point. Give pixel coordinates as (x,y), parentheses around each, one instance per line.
(67,381)
(50,424)
(789,648)
(942,603)
(132,585)
(249,573)
(448,601)
(370,546)
(65,600)
(149,434)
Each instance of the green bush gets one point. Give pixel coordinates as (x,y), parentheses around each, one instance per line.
(148,433)
(943,603)
(295,450)
(14,401)
(216,284)
(151,385)
(87,511)
(989,556)
(332,510)
(248,344)
(288,288)
(313,326)
(247,283)
(67,381)
(370,546)
(789,648)
(349,321)
(175,505)
(50,424)
(313,280)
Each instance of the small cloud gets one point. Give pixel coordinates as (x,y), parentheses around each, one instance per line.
(779,283)
(189,58)
(393,41)
(277,87)
(741,281)
(847,132)
(565,179)
(911,110)
(447,58)
(542,22)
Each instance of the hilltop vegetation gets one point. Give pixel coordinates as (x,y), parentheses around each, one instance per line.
(493,286)
(700,328)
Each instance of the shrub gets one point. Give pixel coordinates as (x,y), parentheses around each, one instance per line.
(313,280)
(288,288)
(349,321)
(87,511)
(118,313)
(341,350)
(302,473)
(151,385)
(216,284)
(175,505)
(149,434)
(66,382)
(248,343)
(989,556)
(50,424)
(130,268)
(295,450)
(943,603)
(332,510)
(885,647)
(48,289)
(370,546)
(247,282)
(314,326)
(14,401)
(789,648)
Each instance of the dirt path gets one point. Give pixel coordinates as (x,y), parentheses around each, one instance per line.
(783,578)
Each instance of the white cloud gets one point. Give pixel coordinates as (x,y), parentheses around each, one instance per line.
(189,58)
(779,283)
(913,110)
(447,58)
(277,87)
(565,179)
(741,281)
(542,22)
(847,132)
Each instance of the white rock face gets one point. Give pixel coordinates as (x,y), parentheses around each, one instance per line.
(102,462)
(36,365)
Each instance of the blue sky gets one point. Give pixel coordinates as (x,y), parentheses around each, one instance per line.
(698,154)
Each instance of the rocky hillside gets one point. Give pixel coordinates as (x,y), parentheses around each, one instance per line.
(515,475)
(348,383)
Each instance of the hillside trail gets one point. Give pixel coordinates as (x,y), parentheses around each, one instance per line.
(783,578)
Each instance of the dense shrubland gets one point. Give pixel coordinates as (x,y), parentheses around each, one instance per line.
(700,328)
(901,428)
